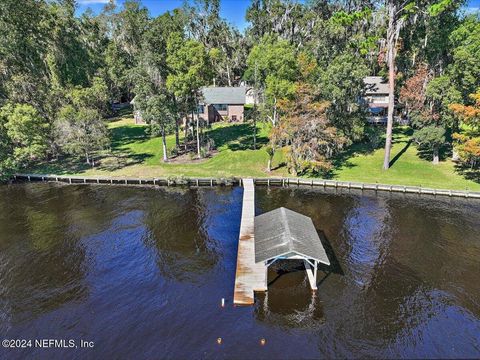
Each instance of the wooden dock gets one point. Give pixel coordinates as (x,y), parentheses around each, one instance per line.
(249,277)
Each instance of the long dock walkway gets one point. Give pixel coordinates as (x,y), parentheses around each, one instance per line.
(249,277)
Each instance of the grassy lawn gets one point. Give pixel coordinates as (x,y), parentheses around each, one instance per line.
(134,153)
(408,167)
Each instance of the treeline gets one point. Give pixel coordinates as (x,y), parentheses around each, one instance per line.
(60,74)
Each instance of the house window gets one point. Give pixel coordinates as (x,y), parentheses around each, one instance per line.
(234,117)
(221,107)
(200,109)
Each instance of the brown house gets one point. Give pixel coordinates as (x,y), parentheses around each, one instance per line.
(217,104)
(222,104)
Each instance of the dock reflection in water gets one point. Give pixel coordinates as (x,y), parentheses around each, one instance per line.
(142,271)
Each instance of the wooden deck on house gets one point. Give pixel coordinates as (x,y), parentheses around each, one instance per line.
(249,277)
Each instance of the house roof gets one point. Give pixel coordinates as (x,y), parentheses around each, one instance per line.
(375,85)
(283,231)
(224,95)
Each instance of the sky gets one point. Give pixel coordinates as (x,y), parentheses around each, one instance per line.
(232,10)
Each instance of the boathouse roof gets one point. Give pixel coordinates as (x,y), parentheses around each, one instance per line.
(283,232)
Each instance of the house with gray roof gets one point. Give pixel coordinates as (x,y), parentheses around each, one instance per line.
(376,96)
(377,99)
(215,104)
(222,104)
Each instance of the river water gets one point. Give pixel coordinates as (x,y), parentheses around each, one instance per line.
(140,273)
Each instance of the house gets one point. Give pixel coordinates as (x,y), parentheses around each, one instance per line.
(222,104)
(377,98)
(216,104)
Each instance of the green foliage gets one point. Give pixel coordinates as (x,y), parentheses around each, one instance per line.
(95,96)
(430,136)
(341,83)
(465,68)
(81,132)
(272,57)
(188,61)
(345,18)
(437,8)
(26,131)
(79,128)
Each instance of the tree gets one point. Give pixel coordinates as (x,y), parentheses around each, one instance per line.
(398,14)
(81,131)
(126,29)
(304,128)
(465,49)
(341,83)
(427,100)
(468,142)
(79,128)
(26,131)
(156,104)
(188,61)
(432,137)
(153,62)
(274,65)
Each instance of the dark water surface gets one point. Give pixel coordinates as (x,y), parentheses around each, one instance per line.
(141,273)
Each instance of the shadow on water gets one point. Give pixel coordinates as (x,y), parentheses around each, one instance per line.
(334,266)
(291,266)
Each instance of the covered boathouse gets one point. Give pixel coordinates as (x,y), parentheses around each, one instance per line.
(283,234)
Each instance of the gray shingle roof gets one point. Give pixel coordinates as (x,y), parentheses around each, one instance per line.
(283,231)
(224,95)
(375,85)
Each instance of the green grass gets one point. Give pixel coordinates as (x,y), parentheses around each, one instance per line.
(134,153)
(409,167)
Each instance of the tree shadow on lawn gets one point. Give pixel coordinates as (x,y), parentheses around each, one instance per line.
(400,135)
(124,135)
(427,153)
(468,173)
(236,137)
(108,162)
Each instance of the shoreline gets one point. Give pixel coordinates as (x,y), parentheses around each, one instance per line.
(282,182)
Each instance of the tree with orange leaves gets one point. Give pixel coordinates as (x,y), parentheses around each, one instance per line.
(468,142)
(310,139)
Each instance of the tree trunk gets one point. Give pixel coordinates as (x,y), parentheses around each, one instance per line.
(269,165)
(177,123)
(436,156)
(177,134)
(185,132)
(87,157)
(255,110)
(164,144)
(198,139)
(229,76)
(275,112)
(255,128)
(392,9)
